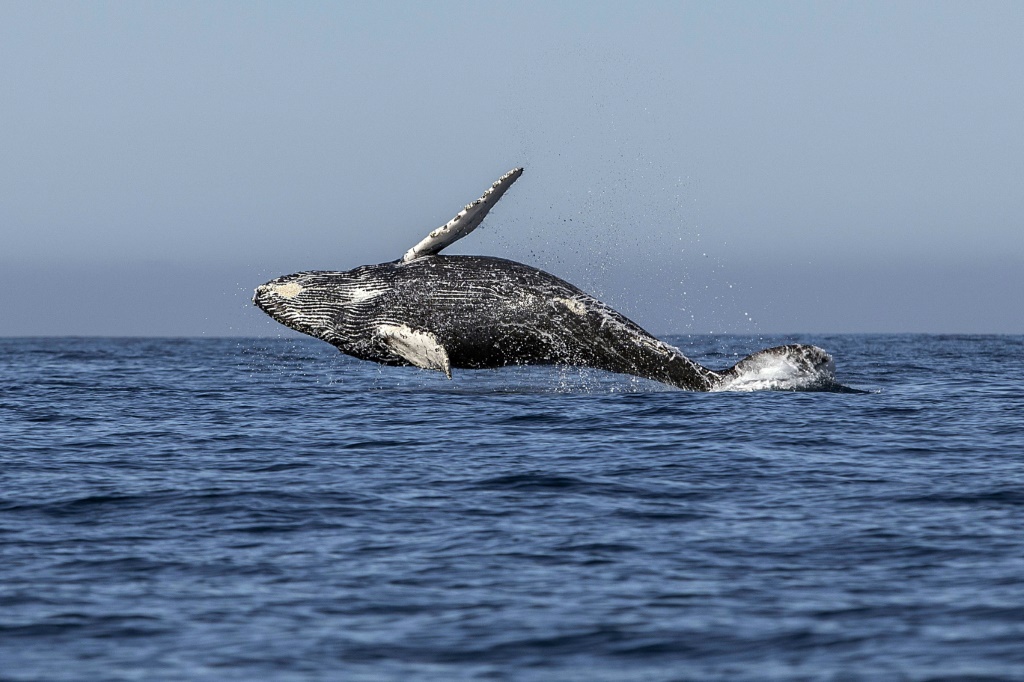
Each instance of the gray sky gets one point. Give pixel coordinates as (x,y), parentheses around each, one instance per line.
(704,167)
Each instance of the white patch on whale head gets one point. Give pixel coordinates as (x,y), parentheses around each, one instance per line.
(287,290)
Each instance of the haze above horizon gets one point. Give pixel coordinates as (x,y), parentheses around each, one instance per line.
(702,167)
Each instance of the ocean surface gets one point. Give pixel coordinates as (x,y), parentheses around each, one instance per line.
(269,509)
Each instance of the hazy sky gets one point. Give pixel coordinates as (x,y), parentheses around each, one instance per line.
(750,167)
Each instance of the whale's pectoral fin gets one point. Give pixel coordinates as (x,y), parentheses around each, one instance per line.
(418,348)
(465,221)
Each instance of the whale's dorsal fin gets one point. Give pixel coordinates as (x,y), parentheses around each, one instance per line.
(418,348)
(465,221)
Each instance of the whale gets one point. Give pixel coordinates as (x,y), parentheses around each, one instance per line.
(444,312)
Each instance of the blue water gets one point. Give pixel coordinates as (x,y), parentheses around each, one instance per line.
(243,509)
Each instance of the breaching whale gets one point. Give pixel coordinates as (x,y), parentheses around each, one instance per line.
(474,312)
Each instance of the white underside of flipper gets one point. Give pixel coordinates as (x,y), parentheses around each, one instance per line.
(418,348)
(467,220)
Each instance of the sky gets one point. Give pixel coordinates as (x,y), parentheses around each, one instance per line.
(748,168)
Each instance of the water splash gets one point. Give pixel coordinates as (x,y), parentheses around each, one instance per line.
(783,368)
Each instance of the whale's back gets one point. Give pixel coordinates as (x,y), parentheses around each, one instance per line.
(492,312)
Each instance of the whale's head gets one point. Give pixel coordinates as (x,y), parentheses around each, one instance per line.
(321,304)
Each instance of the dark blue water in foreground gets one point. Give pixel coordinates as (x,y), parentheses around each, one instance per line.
(270,509)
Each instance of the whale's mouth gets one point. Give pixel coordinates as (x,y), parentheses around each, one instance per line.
(259,297)
(783,368)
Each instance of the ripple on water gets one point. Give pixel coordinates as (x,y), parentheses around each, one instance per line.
(268,509)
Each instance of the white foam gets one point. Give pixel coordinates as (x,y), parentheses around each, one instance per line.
(773,372)
(574,306)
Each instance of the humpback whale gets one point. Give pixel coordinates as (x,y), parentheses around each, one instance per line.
(473,312)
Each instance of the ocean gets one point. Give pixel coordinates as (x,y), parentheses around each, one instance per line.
(269,509)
